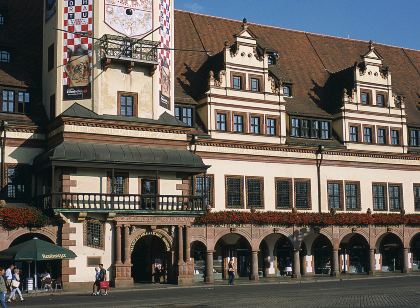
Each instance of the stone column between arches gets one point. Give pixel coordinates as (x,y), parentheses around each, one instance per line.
(122,269)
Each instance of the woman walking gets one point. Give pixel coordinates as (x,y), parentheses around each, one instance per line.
(231,272)
(15,286)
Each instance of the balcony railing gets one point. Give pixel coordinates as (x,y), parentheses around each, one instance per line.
(91,202)
(129,50)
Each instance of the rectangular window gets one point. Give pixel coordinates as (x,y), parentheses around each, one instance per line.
(352,196)
(354,134)
(50,57)
(381,136)
(315,132)
(234,192)
(238,123)
(302,194)
(415,137)
(325,130)
(4,56)
(237,82)
(304,128)
(395,137)
(255,192)
(365,98)
(221,121)
(416,188)
(1,19)
(119,184)
(334,195)
(127,104)
(204,186)
(379,197)
(270,127)
(184,114)
(295,131)
(255,85)
(284,193)
(94,231)
(367,134)
(395,197)
(255,125)
(8,102)
(380,100)
(287,91)
(16,183)
(23,102)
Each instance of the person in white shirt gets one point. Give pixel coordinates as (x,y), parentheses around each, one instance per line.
(9,276)
(15,286)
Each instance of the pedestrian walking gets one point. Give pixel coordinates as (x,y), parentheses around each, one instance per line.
(95,286)
(3,289)
(231,272)
(15,286)
(9,276)
(288,267)
(100,280)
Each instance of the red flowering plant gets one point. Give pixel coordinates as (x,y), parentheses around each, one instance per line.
(14,218)
(305,219)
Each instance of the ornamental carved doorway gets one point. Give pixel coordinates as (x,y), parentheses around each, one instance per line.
(150,260)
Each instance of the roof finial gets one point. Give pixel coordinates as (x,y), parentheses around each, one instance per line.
(244,24)
(371,46)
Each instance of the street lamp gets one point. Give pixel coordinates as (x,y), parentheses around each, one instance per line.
(3,127)
(319,156)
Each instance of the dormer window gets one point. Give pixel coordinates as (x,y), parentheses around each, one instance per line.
(308,128)
(237,82)
(255,85)
(271,59)
(1,19)
(380,100)
(365,98)
(4,56)
(287,90)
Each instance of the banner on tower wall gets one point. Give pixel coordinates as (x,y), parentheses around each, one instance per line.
(77,54)
(130,18)
(165,53)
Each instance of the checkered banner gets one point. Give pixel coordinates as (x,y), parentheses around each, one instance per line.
(165,54)
(77,53)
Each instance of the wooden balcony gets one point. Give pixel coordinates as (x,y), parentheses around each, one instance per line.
(129,51)
(132,204)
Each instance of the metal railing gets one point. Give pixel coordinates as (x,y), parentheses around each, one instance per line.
(128,49)
(113,202)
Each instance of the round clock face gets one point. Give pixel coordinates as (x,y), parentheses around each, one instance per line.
(129,17)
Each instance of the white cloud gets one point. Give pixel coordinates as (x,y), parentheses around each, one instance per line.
(194,7)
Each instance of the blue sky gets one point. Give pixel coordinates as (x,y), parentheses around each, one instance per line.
(384,21)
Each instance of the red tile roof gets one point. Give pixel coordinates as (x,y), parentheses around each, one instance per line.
(308,59)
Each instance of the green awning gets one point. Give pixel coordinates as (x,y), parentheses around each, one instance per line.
(121,156)
(36,250)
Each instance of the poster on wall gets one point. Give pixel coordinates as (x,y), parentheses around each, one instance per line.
(165,53)
(77,55)
(130,18)
(50,9)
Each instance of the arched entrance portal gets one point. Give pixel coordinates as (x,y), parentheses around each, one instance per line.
(354,254)
(415,252)
(322,252)
(149,259)
(391,249)
(284,255)
(236,247)
(198,254)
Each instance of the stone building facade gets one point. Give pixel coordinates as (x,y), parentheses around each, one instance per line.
(145,118)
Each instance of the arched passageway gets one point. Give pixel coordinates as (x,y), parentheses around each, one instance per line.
(391,250)
(415,252)
(236,247)
(354,254)
(198,254)
(150,260)
(284,254)
(322,252)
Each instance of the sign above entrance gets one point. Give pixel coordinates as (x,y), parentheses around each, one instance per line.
(129,17)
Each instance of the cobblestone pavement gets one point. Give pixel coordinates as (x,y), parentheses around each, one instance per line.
(380,292)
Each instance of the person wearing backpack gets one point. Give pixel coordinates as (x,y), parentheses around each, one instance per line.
(15,286)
